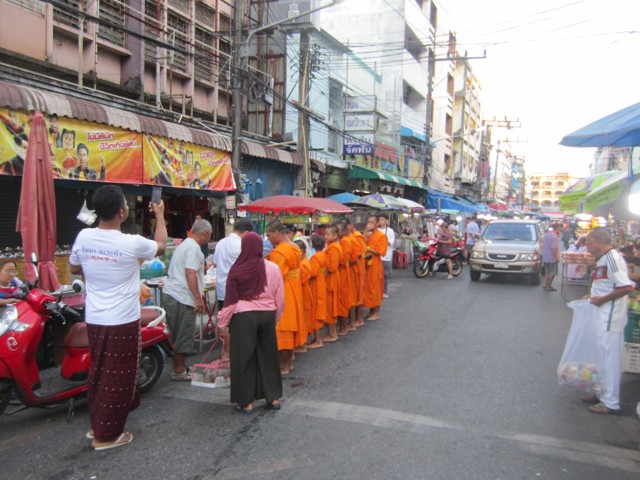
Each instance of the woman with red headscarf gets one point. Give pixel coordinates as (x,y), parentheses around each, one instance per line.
(253,303)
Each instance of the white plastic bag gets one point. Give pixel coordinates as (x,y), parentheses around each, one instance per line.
(86,216)
(582,362)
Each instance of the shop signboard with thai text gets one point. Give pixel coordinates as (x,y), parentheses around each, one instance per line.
(178,164)
(362,122)
(362,103)
(79,150)
(359,144)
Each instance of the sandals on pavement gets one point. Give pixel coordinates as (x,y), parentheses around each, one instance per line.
(247,410)
(602,408)
(123,439)
(591,399)
(275,405)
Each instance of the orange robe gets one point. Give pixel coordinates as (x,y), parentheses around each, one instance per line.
(374,287)
(345,301)
(318,284)
(333,253)
(307,298)
(360,270)
(290,328)
(353,271)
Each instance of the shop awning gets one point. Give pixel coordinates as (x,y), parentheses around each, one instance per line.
(445,201)
(357,171)
(409,132)
(25,98)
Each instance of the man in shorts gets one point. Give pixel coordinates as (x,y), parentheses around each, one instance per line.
(551,255)
(182,296)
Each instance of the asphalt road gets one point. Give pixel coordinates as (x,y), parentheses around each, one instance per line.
(457,380)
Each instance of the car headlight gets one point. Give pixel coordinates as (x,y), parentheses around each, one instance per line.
(477,254)
(531,257)
(9,321)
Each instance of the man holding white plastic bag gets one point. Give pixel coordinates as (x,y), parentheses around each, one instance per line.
(609,288)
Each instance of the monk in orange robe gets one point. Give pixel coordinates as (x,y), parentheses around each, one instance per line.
(333,252)
(307,299)
(353,273)
(291,329)
(377,243)
(318,286)
(359,250)
(345,299)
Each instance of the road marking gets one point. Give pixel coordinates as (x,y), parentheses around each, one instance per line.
(267,467)
(582,452)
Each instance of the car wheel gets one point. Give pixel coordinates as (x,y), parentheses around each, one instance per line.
(535,279)
(475,276)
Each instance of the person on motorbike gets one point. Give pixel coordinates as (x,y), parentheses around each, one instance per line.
(445,241)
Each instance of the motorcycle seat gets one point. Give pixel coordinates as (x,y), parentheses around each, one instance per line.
(147,316)
(77,336)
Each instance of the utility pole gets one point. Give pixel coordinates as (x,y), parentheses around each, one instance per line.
(237,73)
(304,126)
(508,124)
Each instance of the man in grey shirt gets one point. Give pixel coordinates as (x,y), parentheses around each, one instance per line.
(182,295)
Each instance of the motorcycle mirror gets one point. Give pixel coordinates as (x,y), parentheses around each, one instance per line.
(34,260)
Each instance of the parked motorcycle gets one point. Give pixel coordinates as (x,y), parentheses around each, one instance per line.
(426,259)
(44,348)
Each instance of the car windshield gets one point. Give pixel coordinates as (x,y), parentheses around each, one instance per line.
(502,231)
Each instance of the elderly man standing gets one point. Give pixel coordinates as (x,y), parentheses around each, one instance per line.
(551,255)
(182,295)
(610,286)
(225,255)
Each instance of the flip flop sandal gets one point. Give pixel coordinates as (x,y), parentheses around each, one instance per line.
(275,405)
(245,410)
(123,439)
(90,435)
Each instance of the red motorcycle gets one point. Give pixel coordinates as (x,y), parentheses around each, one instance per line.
(44,348)
(426,259)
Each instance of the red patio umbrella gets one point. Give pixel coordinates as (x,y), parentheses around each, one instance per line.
(292,204)
(498,206)
(37,212)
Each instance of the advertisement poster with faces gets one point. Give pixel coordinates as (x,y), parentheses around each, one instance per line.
(174,163)
(80,150)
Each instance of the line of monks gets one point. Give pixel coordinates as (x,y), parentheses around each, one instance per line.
(325,296)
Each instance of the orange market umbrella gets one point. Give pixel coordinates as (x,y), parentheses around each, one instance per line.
(37,212)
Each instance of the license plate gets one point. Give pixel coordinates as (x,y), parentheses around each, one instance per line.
(502,265)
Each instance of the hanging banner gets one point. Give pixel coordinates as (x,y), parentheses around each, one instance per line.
(80,150)
(174,163)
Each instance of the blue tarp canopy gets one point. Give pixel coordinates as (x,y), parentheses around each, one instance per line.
(620,129)
(440,200)
(344,197)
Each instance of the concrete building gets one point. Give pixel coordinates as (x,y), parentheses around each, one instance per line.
(546,188)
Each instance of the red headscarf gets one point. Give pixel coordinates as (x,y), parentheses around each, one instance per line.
(247,277)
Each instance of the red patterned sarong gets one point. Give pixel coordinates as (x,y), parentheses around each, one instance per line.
(113,378)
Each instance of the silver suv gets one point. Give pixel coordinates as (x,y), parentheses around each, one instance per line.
(508,247)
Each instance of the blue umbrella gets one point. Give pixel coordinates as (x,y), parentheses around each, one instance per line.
(620,129)
(344,197)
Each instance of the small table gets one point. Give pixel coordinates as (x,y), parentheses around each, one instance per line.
(156,284)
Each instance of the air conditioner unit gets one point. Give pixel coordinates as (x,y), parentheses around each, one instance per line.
(299,192)
(287,9)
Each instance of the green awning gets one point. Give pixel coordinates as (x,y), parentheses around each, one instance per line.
(357,171)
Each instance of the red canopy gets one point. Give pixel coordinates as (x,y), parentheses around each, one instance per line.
(37,212)
(291,204)
(498,206)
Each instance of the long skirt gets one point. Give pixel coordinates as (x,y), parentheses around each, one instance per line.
(255,366)
(113,377)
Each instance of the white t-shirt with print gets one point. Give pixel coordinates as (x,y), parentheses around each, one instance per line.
(110,261)
(391,236)
(187,255)
(611,272)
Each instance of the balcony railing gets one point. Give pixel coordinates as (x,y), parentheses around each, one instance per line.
(66,18)
(113,12)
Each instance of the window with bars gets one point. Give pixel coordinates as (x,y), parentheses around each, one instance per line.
(114,13)
(66,18)
(225,23)
(224,62)
(34,6)
(182,5)
(205,14)
(180,26)
(204,54)
(152,28)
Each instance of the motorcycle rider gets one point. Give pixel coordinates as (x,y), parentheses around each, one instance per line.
(109,260)
(445,242)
